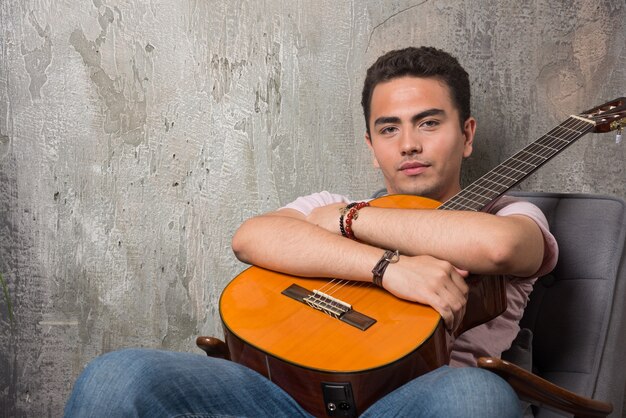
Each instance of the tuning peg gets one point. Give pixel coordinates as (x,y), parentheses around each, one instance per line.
(618,125)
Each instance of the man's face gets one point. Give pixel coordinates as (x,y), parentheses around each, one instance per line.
(416,139)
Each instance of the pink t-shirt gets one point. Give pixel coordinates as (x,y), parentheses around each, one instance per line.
(491,338)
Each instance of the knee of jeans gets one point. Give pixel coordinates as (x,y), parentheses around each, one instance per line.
(120,359)
(122,365)
(104,382)
(487,394)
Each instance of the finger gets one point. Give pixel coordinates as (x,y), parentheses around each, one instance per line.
(463,273)
(456,275)
(449,306)
(448,318)
(460,283)
(458,311)
(455,300)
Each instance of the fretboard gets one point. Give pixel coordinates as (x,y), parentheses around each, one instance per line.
(515,169)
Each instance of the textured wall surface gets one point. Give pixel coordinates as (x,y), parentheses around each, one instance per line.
(136,136)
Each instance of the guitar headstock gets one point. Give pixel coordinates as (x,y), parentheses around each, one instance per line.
(609,116)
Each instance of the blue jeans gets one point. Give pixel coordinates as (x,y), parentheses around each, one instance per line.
(152,383)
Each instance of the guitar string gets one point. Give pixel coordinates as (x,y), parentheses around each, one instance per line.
(537,151)
(335,285)
(532,156)
(515,169)
(492,176)
(513,164)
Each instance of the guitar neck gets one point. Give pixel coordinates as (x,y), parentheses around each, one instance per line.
(515,169)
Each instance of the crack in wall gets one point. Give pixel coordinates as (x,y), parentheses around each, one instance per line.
(369,40)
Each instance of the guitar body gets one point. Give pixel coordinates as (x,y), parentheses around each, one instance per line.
(310,354)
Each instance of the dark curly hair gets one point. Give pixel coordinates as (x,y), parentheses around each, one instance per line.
(419,62)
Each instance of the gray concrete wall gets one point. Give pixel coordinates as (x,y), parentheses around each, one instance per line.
(136,136)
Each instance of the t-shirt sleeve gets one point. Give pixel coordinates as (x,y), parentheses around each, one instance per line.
(306,204)
(551,249)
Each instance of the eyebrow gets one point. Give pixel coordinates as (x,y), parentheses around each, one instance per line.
(394,119)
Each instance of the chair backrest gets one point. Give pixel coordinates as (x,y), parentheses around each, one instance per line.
(577,313)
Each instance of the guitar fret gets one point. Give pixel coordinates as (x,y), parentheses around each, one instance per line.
(510,172)
(513,170)
(556,132)
(471,201)
(456,206)
(569,129)
(548,147)
(496,183)
(524,162)
(486,189)
(477,196)
(464,202)
(541,151)
(481,184)
(535,155)
(557,138)
(489,192)
(573,125)
(461,202)
(493,188)
(503,175)
(476,205)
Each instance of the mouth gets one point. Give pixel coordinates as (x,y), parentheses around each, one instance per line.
(413,168)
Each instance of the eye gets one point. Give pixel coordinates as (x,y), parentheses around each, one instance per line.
(430,123)
(388,130)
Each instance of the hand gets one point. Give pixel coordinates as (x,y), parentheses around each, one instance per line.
(430,281)
(327,217)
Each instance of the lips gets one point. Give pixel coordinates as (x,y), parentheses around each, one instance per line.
(413,168)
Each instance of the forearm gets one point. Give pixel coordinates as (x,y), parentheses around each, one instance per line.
(294,245)
(297,247)
(477,242)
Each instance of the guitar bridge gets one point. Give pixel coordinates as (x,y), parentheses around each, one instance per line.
(330,306)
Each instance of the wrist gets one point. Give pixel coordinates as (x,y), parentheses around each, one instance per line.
(378,272)
(348,217)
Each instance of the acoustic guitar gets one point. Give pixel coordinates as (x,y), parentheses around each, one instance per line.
(338,346)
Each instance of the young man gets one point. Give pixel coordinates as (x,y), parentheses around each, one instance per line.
(416,103)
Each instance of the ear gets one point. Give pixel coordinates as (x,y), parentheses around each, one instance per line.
(469,129)
(368,141)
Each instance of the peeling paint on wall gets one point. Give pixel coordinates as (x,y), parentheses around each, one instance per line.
(37,60)
(123,97)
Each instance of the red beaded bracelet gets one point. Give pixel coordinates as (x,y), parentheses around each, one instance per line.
(343,211)
(351,216)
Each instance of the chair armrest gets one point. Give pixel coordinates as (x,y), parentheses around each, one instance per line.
(213,347)
(538,391)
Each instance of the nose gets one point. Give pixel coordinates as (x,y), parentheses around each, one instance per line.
(410,143)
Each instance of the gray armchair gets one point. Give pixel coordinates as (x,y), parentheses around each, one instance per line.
(577,313)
